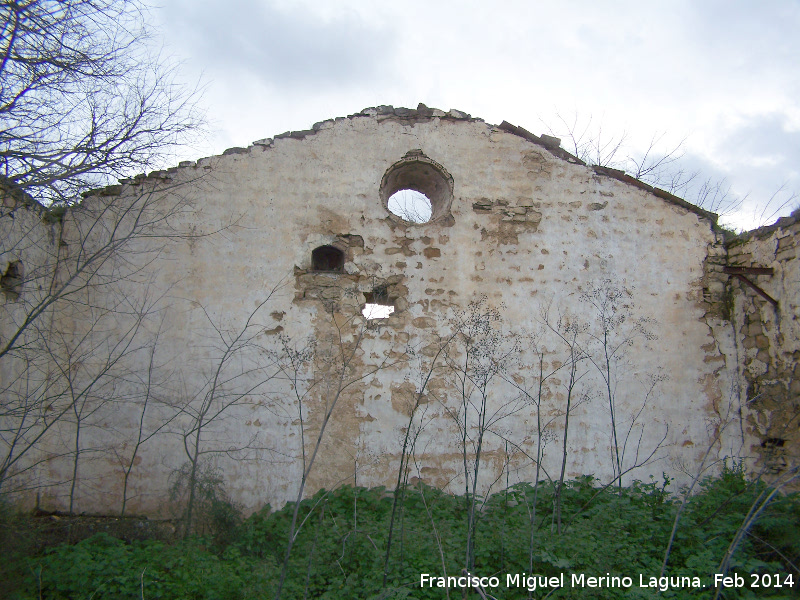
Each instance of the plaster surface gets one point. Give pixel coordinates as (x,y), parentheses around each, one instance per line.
(217,319)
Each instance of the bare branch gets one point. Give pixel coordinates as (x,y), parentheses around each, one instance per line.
(83,99)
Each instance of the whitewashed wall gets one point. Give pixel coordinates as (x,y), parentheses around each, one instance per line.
(529,230)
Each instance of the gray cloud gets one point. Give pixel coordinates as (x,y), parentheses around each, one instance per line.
(758,161)
(690,69)
(764,154)
(764,138)
(279,48)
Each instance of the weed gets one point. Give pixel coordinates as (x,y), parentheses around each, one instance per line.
(340,554)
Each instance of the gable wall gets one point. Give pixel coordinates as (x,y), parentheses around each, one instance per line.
(528,230)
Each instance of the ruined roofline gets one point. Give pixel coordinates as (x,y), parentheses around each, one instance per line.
(421,113)
(553,144)
(621,175)
(11,196)
(766,230)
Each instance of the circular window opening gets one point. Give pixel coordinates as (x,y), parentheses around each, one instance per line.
(417,189)
(410,205)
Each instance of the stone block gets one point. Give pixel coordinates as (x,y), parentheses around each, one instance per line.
(424,322)
(761,341)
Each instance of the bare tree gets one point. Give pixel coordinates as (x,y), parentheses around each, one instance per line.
(479,354)
(239,374)
(660,165)
(84,99)
(587,141)
(337,371)
(781,199)
(91,367)
(534,396)
(147,386)
(83,295)
(412,431)
(568,333)
(612,332)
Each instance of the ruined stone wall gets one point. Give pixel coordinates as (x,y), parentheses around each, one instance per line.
(29,253)
(519,227)
(764,272)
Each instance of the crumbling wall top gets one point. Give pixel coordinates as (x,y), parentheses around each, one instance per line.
(767,230)
(422,113)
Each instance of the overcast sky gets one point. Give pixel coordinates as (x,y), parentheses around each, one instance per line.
(721,76)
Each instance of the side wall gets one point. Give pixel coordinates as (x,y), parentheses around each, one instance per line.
(29,253)
(767,325)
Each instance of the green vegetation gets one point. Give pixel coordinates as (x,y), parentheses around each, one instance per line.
(339,551)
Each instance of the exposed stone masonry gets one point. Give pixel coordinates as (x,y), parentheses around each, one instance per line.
(768,338)
(517,220)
